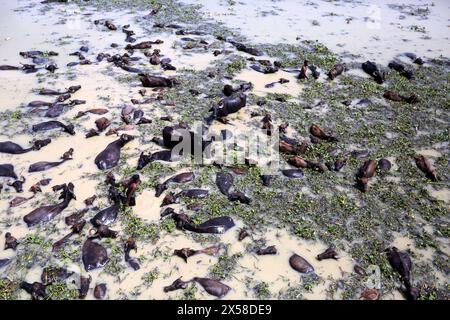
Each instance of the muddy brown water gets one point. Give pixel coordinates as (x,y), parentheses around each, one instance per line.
(23,28)
(370,29)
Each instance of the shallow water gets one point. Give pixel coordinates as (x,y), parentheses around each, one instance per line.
(65,28)
(375,30)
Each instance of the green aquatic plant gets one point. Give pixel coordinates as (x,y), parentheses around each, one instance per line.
(61,291)
(150,276)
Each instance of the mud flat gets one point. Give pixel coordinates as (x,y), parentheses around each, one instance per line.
(403,207)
